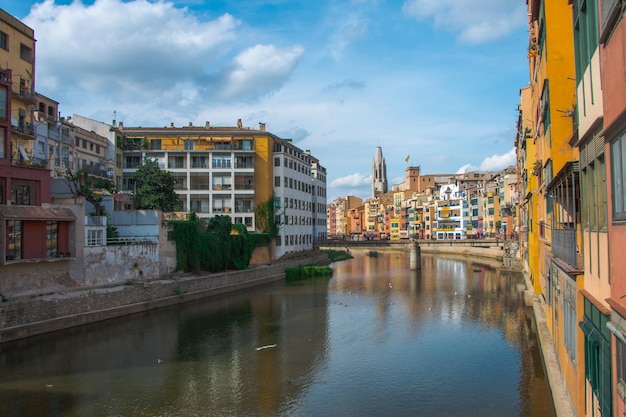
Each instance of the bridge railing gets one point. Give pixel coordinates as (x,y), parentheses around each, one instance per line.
(339,243)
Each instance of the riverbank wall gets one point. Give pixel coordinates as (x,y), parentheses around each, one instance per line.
(32,315)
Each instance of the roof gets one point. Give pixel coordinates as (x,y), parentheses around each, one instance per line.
(36,213)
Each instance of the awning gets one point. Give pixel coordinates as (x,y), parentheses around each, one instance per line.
(23,153)
(36,213)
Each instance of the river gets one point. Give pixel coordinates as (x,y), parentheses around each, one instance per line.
(453,339)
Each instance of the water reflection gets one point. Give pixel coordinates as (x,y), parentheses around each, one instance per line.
(377,339)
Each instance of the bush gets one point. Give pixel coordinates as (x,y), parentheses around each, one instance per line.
(306,272)
(337,255)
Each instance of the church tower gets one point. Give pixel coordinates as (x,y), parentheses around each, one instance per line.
(379,173)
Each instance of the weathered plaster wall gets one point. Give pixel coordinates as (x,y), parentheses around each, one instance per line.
(116,264)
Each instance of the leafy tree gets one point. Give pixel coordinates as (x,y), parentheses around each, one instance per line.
(90,188)
(155,188)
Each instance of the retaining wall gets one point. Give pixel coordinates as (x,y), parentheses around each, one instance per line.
(28,316)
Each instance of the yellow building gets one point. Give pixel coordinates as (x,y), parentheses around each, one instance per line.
(528,186)
(558,276)
(491,214)
(230,170)
(17,47)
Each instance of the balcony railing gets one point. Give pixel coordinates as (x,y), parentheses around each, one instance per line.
(24,130)
(564,245)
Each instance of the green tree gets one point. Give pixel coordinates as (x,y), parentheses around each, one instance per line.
(82,184)
(155,188)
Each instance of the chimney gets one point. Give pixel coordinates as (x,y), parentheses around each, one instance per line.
(190,124)
(262,127)
(121,125)
(172,124)
(239,125)
(207,125)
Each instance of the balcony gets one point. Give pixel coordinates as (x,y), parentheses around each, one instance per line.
(29,163)
(564,246)
(24,131)
(25,95)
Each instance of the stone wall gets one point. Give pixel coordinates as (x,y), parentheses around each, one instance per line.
(30,315)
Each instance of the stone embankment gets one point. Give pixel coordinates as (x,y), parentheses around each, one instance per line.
(26,316)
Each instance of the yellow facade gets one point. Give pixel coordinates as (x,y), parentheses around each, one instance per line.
(19,51)
(553,100)
(253,165)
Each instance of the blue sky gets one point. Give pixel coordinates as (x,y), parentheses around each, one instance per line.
(437,80)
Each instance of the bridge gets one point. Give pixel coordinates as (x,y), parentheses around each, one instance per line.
(504,251)
(400,244)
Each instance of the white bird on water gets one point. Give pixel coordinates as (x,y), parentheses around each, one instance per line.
(265,347)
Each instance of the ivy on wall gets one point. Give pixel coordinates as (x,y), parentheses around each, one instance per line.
(216,245)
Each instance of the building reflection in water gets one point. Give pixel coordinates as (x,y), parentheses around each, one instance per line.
(377,339)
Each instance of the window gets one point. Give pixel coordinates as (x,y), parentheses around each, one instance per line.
(621,368)
(276,181)
(52,231)
(597,355)
(177,162)
(277,162)
(618,177)
(4,41)
(2,151)
(221,162)
(188,145)
(155,144)
(3,103)
(14,243)
(94,237)
(610,14)
(20,195)
(569,317)
(585,34)
(26,53)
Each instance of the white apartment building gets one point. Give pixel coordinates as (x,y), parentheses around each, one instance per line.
(300,195)
(452,213)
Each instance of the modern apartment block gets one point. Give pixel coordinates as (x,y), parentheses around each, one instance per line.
(228,170)
(112,159)
(90,153)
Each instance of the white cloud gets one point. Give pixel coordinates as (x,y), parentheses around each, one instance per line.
(353,180)
(492,163)
(154,45)
(144,56)
(476,21)
(350,29)
(260,69)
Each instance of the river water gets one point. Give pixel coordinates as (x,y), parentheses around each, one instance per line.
(453,339)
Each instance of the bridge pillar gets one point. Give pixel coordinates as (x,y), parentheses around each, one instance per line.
(415,257)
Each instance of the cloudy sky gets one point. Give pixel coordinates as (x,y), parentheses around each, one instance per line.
(437,80)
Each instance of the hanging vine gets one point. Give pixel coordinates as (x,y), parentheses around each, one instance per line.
(216,245)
